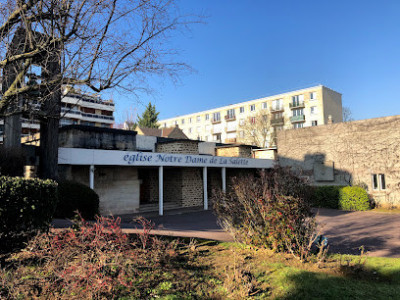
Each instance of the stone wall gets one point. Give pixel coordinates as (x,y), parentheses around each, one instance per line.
(234,151)
(179,147)
(347,153)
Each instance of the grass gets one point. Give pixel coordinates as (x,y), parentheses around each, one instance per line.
(210,270)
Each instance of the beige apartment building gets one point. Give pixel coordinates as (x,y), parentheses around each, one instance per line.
(314,106)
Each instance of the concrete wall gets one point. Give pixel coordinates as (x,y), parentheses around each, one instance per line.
(146,143)
(88,137)
(265,154)
(332,105)
(347,153)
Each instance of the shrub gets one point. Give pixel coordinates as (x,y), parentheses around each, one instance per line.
(12,161)
(341,197)
(92,261)
(353,198)
(271,210)
(26,207)
(326,196)
(74,196)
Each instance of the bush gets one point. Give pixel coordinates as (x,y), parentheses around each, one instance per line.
(353,198)
(341,197)
(92,261)
(271,210)
(74,196)
(326,196)
(26,207)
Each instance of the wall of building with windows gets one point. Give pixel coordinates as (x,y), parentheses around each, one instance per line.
(361,152)
(296,109)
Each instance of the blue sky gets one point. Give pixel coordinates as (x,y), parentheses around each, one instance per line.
(251,49)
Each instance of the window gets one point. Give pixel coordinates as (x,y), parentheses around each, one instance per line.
(382,181)
(252,107)
(378,182)
(278,115)
(313,95)
(241,134)
(375,185)
(176,122)
(298,112)
(314,123)
(165,125)
(198,129)
(277,104)
(264,105)
(230,113)
(253,120)
(217,137)
(207,117)
(298,125)
(241,110)
(190,130)
(183,121)
(313,110)
(241,122)
(208,127)
(297,100)
(265,118)
(216,117)
(198,119)
(278,128)
(190,120)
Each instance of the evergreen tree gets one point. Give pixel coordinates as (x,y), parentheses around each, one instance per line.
(149,117)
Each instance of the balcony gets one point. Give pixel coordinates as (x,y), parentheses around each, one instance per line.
(230,118)
(276,109)
(277,121)
(296,119)
(296,105)
(215,121)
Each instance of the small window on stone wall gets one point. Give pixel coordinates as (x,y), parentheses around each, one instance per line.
(378,182)
(382,181)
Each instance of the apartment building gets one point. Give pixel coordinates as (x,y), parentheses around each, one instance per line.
(76,108)
(313,106)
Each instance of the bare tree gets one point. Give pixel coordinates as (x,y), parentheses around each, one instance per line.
(347,114)
(255,130)
(130,122)
(98,45)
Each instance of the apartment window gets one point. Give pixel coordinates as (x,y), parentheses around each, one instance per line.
(190,130)
(216,117)
(217,137)
(230,113)
(198,119)
(253,120)
(297,100)
(264,105)
(313,95)
(277,104)
(207,117)
(183,121)
(198,129)
(176,122)
(298,125)
(165,125)
(252,107)
(241,122)
(241,109)
(298,112)
(190,120)
(314,123)
(241,134)
(313,110)
(278,128)
(265,118)
(278,115)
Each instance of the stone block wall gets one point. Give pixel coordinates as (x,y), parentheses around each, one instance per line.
(234,151)
(347,153)
(192,187)
(179,147)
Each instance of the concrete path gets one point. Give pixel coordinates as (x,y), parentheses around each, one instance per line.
(379,233)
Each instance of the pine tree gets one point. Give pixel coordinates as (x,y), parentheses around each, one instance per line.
(149,117)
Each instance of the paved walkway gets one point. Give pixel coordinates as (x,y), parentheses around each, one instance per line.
(379,233)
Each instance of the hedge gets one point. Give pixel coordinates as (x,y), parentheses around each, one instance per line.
(26,208)
(341,197)
(74,196)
